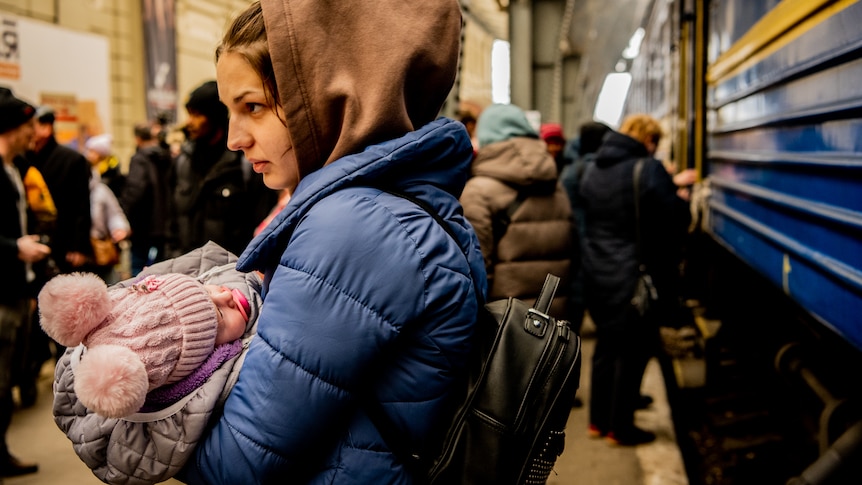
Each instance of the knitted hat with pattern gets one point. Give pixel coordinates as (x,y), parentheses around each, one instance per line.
(138,338)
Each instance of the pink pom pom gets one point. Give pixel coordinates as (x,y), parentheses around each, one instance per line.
(111,381)
(73,305)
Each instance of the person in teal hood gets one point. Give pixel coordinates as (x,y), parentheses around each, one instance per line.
(366,298)
(519,210)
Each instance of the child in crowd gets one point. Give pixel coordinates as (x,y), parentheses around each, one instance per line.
(167,330)
(205,313)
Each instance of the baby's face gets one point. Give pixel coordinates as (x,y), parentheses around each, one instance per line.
(231,317)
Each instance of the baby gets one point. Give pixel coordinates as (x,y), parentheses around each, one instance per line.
(147,345)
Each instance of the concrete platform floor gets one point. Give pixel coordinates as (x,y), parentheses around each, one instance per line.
(34,436)
(588,461)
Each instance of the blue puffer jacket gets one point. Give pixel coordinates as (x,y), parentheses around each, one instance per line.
(364,295)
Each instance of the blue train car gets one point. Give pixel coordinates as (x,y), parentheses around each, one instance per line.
(784,150)
(764,99)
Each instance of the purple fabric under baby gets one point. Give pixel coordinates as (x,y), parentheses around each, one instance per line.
(164,396)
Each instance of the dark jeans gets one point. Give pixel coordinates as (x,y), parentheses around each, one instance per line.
(624,345)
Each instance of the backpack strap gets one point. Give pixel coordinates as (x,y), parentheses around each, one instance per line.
(431,211)
(399,446)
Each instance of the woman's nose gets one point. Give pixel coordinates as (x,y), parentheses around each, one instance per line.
(237,137)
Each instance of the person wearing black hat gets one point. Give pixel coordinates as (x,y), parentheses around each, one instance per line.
(19,252)
(211,200)
(67,176)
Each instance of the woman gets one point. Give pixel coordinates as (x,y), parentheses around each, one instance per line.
(366,297)
(625,341)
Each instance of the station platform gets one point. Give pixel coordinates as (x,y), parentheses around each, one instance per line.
(33,436)
(589,461)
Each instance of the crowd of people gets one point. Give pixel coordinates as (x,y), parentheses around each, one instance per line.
(541,203)
(365,297)
(70,212)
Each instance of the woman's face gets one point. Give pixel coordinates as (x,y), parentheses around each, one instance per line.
(256,127)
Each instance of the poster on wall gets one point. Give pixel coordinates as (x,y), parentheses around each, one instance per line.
(160,50)
(10,61)
(50,65)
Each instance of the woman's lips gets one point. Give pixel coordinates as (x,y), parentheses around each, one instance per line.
(257,165)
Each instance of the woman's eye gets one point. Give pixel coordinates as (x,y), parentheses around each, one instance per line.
(253,107)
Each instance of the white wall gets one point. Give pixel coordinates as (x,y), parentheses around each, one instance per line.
(53,60)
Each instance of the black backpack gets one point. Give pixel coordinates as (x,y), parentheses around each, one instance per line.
(521,381)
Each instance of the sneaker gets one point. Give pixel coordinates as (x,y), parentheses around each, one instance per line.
(593,431)
(632,437)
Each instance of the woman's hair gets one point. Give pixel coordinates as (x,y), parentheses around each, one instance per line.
(642,127)
(246,36)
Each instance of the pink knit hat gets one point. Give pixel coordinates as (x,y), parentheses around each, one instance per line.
(138,338)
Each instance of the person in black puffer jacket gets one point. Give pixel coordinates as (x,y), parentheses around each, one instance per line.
(146,199)
(209,197)
(625,341)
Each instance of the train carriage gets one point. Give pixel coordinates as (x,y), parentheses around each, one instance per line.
(764,99)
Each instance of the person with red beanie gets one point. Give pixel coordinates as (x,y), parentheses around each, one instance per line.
(552,134)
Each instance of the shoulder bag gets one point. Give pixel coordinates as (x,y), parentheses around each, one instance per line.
(645,294)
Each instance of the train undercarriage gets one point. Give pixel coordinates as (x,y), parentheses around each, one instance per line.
(773,398)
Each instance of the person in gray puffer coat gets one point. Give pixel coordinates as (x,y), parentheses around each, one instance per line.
(520,212)
(151,445)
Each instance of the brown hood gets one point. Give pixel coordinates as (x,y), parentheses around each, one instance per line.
(518,161)
(353,73)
